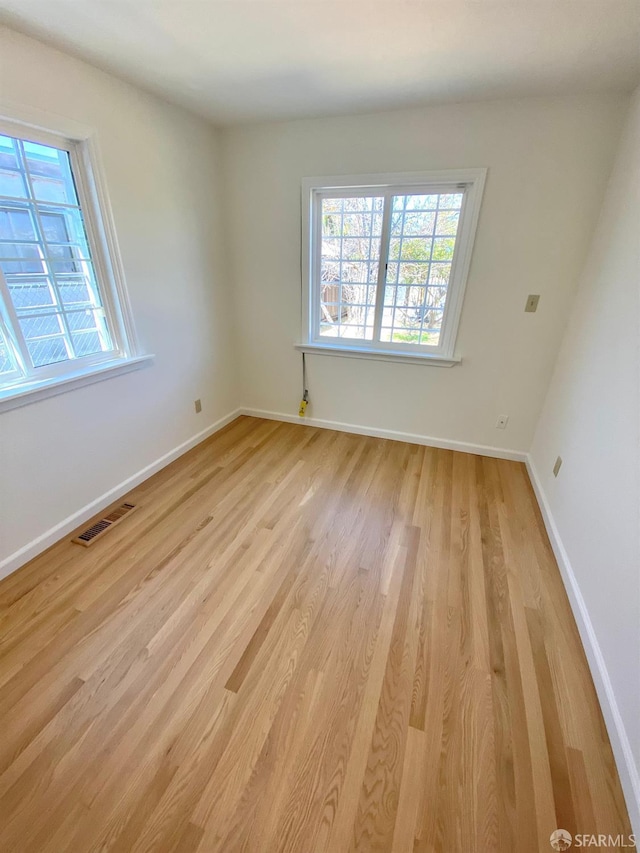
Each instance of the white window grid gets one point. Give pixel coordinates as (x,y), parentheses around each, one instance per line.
(358,275)
(432,286)
(87,258)
(439,311)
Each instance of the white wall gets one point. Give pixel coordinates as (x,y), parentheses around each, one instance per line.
(591,418)
(162,171)
(548,161)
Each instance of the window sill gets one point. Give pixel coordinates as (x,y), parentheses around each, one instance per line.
(378,355)
(31,392)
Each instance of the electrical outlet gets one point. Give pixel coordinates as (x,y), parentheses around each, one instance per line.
(557,466)
(198,406)
(502,422)
(532,303)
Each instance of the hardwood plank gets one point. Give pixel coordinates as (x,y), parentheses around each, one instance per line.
(377,812)
(410,794)
(500,632)
(303,640)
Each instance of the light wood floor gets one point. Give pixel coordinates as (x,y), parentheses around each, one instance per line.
(303,640)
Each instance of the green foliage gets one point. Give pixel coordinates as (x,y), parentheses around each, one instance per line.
(406,337)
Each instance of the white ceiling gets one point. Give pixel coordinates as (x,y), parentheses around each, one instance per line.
(247,60)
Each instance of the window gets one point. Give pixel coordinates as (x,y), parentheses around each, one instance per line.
(61,311)
(387,262)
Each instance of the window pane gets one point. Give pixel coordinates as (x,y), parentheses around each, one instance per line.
(54,226)
(423,235)
(50,173)
(64,259)
(415,202)
(439,274)
(447,222)
(44,335)
(47,351)
(7,360)
(20,258)
(11,178)
(45,256)
(76,282)
(419,224)
(349,261)
(16,223)
(86,343)
(86,331)
(63,226)
(39,326)
(31,292)
(443,248)
(73,291)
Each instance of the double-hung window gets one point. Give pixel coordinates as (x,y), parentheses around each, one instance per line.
(62,312)
(387,259)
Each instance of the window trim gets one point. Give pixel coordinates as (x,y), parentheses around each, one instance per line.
(316,188)
(86,165)
(30,391)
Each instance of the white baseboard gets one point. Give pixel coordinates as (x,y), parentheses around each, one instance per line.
(627,768)
(394,435)
(58,531)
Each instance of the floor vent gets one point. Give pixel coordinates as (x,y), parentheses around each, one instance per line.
(89,536)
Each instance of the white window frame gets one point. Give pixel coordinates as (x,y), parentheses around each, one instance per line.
(29,384)
(471,181)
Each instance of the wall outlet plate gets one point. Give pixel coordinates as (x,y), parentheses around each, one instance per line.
(557,466)
(502,421)
(198,406)
(532,303)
